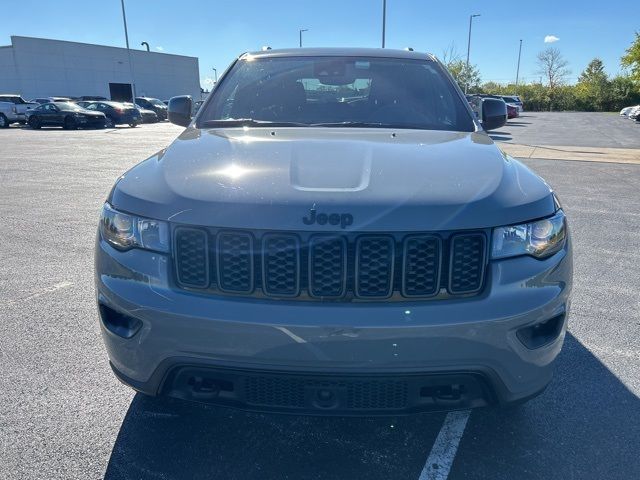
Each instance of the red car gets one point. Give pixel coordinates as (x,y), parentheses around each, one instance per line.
(512,111)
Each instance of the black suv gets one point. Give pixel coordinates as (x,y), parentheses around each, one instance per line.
(153,104)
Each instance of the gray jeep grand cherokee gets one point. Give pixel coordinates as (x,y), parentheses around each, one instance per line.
(334,233)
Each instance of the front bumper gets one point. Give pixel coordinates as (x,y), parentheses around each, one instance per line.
(257,354)
(161,113)
(128,119)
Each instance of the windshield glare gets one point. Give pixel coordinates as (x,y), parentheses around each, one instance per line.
(69,106)
(341,91)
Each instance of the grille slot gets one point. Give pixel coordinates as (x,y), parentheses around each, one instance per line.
(280,264)
(421,266)
(467,262)
(327,266)
(235,262)
(192,258)
(374,266)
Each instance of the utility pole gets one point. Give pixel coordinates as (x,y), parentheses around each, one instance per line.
(300,32)
(518,69)
(471,17)
(384,21)
(126,36)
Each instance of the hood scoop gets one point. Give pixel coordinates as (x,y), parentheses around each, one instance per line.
(330,167)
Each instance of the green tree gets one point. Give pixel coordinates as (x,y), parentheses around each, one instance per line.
(593,91)
(623,93)
(465,76)
(631,59)
(594,73)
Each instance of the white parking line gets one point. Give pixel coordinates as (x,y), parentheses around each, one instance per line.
(444,448)
(39,293)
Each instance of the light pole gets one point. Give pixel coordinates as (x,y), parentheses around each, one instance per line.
(471,17)
(384,21)
(518,69)
(215,73)
(300,33)
(146,45)
(126,36)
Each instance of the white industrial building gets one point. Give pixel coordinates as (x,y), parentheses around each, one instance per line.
(37,67)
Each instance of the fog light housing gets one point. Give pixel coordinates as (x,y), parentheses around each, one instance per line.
(541,334)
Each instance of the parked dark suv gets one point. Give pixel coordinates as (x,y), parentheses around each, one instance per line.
(153,104)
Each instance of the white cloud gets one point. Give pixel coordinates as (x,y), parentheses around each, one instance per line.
(160,49)
(208,82)
(550,39)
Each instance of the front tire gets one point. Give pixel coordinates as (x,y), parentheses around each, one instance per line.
(4,121)
(133,125)
(109,123)
(70,124)
(34,123)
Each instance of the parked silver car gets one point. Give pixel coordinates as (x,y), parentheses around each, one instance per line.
(13,109)
(334,233)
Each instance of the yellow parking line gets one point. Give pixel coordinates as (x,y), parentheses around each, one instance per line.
(584,154)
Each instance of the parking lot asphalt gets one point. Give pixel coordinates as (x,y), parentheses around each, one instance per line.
(578,129)
(64,416)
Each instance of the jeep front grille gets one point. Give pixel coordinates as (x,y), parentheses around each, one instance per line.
(343,267)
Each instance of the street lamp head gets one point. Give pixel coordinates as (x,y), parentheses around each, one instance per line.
(475,15)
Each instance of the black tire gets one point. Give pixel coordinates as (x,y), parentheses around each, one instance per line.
(34,123)
(70,123)
(109,123)
(133,125)
(4,121)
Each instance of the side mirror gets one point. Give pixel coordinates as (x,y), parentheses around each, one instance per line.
(180,110)
(494,113)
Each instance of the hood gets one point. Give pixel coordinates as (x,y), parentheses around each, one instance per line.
(377,179)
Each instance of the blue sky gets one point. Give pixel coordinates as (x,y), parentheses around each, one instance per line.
(216,31)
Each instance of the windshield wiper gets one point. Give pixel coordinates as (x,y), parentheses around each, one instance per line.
(249,122)
(407,126)
(353,124)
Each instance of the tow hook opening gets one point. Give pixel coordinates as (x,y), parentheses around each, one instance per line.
(208,386)
(541,334)
(452,392)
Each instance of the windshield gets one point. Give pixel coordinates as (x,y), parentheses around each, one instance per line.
(338,91)
(68,106)
(156,102)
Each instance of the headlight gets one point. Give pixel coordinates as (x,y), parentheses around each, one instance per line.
(124,231)
(539,239)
